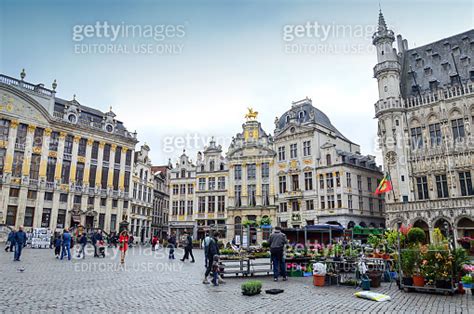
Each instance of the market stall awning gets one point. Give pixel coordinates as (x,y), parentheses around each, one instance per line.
(324,227)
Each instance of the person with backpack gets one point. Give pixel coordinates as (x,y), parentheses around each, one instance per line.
(188,249)
(212,250)
(171,245)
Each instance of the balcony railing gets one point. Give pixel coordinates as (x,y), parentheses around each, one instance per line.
(19,146)
(38,89)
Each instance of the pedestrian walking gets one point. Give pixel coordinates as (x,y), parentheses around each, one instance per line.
(57,245)
(171,245)
(20,242)
(205,245)
(277,242)
(94,243)
(66,244)
(188,248)
(10,245)
(212,250)
(123,242)
(83,243)
(154,241)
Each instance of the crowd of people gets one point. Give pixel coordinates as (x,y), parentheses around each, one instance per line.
(63,242)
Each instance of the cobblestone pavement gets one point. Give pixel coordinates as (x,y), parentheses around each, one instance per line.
(152,283)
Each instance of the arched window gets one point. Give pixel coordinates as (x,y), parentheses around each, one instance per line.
(221,167)
(183,173)
(287,119)
(146,175)
(202,167)
(328,159)
(211,165)
(141,174)
(301,115)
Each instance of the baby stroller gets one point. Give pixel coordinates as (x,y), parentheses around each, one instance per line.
(101,248)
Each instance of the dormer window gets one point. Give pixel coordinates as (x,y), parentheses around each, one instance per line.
(109,128)
(221,166)
(183,173)
(471,75)
(328,160)
(455,79)
(211,165)
(433,85)
(72,118)
(301,115)
(287,119)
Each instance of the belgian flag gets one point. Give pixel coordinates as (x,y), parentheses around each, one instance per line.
(384,186)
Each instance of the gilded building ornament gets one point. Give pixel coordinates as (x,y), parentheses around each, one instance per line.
(14,124)
(77,138)
(47,131)
(90,142)
(31,128)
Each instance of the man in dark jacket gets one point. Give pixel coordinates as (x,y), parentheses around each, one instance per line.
(171,245)
(277,244)
(11,241)
(83,243)
(211,250)
(20,242)
(188,249)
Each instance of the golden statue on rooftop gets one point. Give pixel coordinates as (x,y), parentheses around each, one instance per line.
(251,115)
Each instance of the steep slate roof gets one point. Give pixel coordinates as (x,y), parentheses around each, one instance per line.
(434,62)
(318,117)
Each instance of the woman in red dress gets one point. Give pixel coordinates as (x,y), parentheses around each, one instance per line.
(123,241)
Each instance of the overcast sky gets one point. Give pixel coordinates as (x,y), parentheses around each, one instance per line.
(202,63)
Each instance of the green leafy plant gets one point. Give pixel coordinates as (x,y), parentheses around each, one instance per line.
(265,245)
(248,223)
(461,258)
(374,240)
(226,252)
(265,221)
(467,279)
(251,287)
(416,235)
(438,236)
(409,261)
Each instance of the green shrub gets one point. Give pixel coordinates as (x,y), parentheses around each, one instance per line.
(251,287)
(466,279)
(226,252)
(409,261)
(416,235)
(265,244)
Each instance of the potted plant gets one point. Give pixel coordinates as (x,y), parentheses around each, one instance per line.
(416,235)
(407,264)
(252,287)
(467,281)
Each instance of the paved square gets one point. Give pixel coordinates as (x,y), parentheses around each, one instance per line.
(155,284)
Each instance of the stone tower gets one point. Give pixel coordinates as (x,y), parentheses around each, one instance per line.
(390,111)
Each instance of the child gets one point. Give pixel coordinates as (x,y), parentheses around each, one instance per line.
(215,270)
(57,246)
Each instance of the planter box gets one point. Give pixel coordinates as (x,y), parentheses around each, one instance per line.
(467,285)
(250,294)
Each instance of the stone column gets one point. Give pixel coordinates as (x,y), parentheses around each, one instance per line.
(110,177)
(28,151)
(87,163)
(120,209)
(7,168)
(60,153)
(75,149)
(42,178)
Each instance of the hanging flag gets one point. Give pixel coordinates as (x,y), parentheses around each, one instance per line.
(384,186)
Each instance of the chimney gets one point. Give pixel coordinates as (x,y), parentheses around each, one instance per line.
(400,44)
